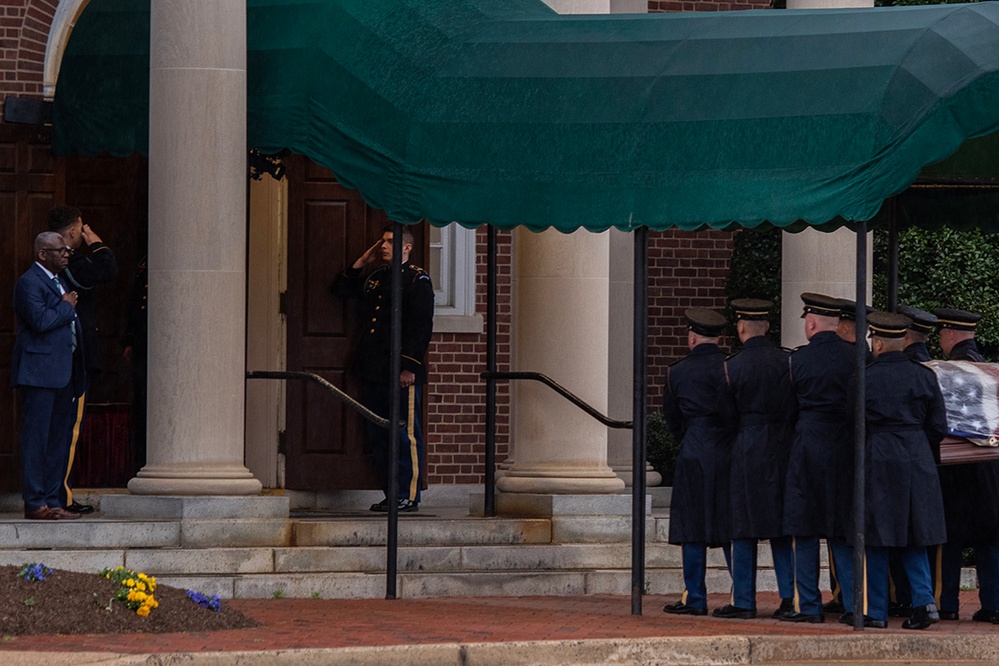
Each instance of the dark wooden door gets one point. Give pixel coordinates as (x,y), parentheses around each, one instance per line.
(329,226)
(31,181)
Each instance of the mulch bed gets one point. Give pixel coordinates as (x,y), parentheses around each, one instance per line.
(75,603)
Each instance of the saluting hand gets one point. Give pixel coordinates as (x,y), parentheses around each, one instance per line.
(89,236)
(373,253)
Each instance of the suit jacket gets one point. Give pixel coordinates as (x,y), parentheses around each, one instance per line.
(43,349)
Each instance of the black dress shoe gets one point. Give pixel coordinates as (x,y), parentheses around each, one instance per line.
(80,508)
(786,607)
(818,618)
(922,617)
(379,506)
(899,610)
(983,615)
(680,608)
(832,607)
(734,612)
(870,622)
(952,616)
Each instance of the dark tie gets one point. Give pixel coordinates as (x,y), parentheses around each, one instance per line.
(72,324)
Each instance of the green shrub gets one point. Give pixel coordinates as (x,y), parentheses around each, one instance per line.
(662,447)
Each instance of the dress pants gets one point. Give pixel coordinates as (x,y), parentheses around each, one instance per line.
(783,557)
(48,418)
(917,569)
(808,598)
(412,452)
(945,569)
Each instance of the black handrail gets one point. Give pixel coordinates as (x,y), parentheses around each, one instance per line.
(562,391)
(340,395)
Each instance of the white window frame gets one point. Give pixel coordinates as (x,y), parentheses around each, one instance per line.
(454,298)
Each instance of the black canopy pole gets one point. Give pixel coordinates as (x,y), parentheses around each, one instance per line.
(490,478)
(638,409)
(859,431)
(395,413)
(892,255)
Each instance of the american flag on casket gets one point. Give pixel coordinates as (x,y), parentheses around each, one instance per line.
(971,393)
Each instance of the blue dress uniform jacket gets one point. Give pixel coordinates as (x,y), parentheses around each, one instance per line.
(696,410)
(917,351)
(906,419)
(817,496)
(82,275)
(372,361)
(759,386)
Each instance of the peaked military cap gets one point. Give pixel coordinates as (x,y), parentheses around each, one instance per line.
(922,321)
(705,322)
(820,304)
(959,320)
(887,324)
(752,309)
(848,309)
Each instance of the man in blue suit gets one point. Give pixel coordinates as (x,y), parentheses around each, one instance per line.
(47,366)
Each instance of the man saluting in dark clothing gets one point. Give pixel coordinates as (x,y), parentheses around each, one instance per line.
(373,361)
(86,270)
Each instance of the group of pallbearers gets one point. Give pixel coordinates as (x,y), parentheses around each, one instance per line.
(767,453)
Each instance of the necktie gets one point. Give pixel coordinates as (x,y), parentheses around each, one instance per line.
(72,324)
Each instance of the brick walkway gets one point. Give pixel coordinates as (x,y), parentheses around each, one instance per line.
(306,623)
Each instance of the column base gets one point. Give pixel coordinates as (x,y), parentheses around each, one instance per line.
(194,479)
(652,477)
(519,482)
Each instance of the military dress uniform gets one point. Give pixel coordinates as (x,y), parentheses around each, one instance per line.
(694,405)
(372,364)
(922,322)
(819,485)
(759,386)
(83,274)
(906,419)
(970,507)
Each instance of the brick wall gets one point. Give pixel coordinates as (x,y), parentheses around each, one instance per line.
(686,269)
(456,425)
(24,31)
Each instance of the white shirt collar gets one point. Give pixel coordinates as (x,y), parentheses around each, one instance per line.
(47,271)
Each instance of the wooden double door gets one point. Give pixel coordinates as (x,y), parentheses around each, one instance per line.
(328,227)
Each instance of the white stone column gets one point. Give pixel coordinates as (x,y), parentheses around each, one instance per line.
(825,263)
(620,357)
(197,249)
(561,329)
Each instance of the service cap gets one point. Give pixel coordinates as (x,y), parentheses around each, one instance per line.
(705,322)
(820,304)
(959,320)
(887,324)
(922,321)
(848,309)
(752,309)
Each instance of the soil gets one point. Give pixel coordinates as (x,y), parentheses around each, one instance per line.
(75,603)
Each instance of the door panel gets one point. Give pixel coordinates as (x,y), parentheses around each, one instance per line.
(329,226)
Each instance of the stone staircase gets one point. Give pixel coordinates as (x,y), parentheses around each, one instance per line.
(257,548)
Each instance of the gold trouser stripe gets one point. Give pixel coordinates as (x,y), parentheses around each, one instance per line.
(837,592)
(938,583)
(411,436)
(865,585)
(72,446)
(794,562)
(683,597)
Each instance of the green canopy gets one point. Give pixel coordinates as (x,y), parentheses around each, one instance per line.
(502,111)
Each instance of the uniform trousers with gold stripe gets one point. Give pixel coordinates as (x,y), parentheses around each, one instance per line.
(412,451)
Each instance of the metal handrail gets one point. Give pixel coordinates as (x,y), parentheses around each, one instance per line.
(312,377)
(562,391)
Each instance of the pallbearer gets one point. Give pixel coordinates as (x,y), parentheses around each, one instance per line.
(696,409)
(759,387)
(906,418)
(817,497)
